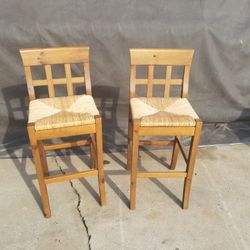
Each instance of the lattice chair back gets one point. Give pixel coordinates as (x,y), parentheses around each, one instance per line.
(160,57)
(48,57)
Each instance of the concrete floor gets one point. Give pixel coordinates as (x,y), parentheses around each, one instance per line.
(218,216)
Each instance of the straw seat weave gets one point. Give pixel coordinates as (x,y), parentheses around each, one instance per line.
(157,111)
(60,112)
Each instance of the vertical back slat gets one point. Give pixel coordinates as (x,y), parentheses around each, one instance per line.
(150,80)
(48,73)
(168,81)
(132,80)
(29,81)
(87,78)
(68,79)
(184,91)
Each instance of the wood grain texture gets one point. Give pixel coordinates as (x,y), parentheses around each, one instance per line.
(155,143)
(190,166)
(176,174)
(174,154)
(132,80)
(56,55)
(150,80)
(67,68)
(133,176)
(48,72)
(66,145)
(184,91)
(58,81)
(39,171)
(99,149)
(142,81)
(181,147)
(168,81)
(65,132)
(161,56)
(87,78)
(28,75)
(164,131)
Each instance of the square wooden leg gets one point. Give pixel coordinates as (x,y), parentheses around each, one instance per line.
(93,160)
(174,154)
(43,158)
(129,157)
(133,177)
(191,162)
(39,171)
(99,153)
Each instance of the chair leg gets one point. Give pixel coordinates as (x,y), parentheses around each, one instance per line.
(92,153)
(43,159)
(129,144)
(39,171)
(133,177)
(191,161)
(174,154)
(99,149)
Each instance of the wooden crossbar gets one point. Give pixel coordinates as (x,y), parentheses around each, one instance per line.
(176,131)
(155,143)
(70,176)
(58,81)
(177,174)
(65,132)
(143,81)
(66,145)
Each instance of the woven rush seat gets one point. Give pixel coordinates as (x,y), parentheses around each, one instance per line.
(157,111)
(60,112)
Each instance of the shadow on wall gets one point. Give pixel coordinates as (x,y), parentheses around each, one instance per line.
(16,137)
(15,141)
(237,131)
(242,131)
(114,137)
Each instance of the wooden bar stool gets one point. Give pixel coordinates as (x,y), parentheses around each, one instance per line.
(161,116)
(58,117)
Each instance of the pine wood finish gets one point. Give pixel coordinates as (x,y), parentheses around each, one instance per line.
(169,58)
(48,57)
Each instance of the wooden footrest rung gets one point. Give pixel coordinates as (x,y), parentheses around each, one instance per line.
(70,176)
(155,143)
(66,145)
(176,174)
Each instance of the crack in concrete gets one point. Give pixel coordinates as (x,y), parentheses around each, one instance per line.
(78,205)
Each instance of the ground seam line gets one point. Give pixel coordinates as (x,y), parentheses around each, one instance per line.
(78,205)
